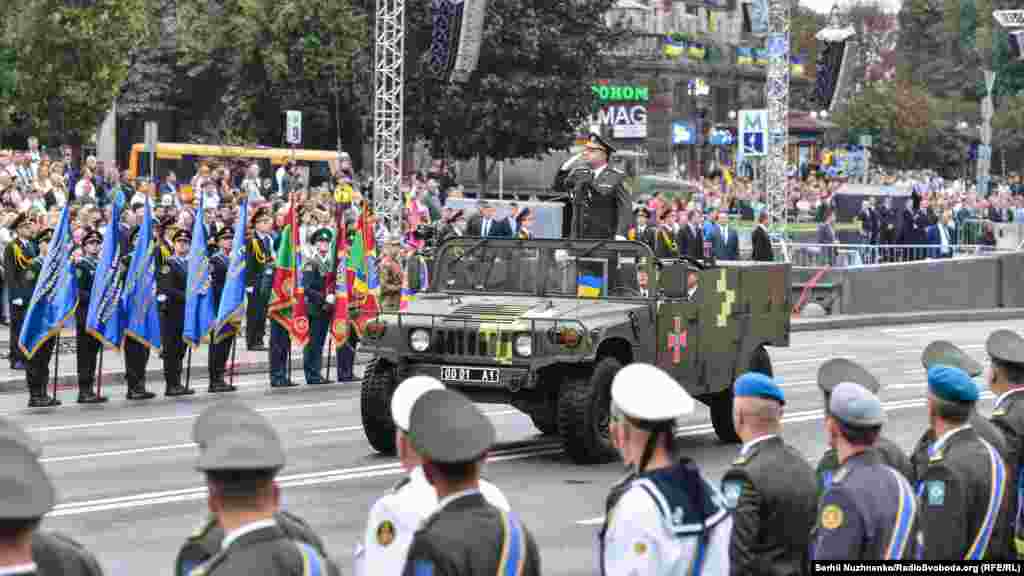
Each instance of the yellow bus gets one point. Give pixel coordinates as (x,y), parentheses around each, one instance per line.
(184,160)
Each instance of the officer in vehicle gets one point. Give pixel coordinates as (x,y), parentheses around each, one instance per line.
(87,346)
(601,207)
(770,486)
(668,518)
(869,511)
(220,349)
(240,459)
(947,354)
(395,517)
(830,374)
(963,506)
(173,284)
(1006,379)
(466,535)
(206,541)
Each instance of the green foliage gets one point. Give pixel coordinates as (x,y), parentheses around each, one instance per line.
(897,114)
(71,62)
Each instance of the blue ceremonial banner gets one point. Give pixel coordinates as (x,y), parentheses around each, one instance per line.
(199,312)
(232,301)
(56,295)
(106,318)
(139,295)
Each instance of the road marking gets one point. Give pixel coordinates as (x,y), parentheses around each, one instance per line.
(357,428)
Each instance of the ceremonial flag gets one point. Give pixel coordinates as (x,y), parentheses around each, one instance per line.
(106,318)
(407,295)
(232,300)
(139,295)
(55,297)
(367,278)
(288,302)
(339,324)
(199,312)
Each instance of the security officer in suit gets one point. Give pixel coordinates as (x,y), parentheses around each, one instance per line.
(319,305)
(172,283)
(601,206)
(259,275)
(395,517)
(964,492)
(87,346)
(136,354)
(20,277)
(220,263)
(667,518)
(206,541)
(1006,378)
(770,487)
(870,510)
(466,535)
(241,458)
(830,375)
(37,373)
(947,354)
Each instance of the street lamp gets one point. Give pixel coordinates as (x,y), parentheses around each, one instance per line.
(732,114)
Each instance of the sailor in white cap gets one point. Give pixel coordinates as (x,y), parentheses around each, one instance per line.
(395,517)
(668,519)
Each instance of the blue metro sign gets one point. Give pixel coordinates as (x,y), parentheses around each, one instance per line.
(753,143)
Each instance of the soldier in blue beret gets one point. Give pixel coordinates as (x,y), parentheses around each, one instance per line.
(1006,379)
(869,511)
(770,486)
(963,495)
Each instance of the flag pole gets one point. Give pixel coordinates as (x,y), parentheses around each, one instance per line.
(99,371)
(188,370)
(56,363)
(234,357)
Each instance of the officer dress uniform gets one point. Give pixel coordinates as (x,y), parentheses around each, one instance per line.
(87,346)
(830,374)
(37,373)
(770,489)
(20,277)
(136,354)
(259,274)
(1007,347)
(602,207)
(280,346)
(947,354)
(314,282)
(869,511)
(669,520)
(220,263)
(173,284)
(466,535)
(963,493)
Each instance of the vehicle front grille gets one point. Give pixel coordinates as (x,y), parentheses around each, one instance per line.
(490,313)
(473,342)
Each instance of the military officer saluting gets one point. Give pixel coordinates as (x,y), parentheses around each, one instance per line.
(770,486)
(830,374)
(466,535)
(173,283)
(220,264)
(206,541)
(20,276)
(947,354)
(963,493)
(669,519)
(1006,378)
(870,510)
(87,346)
(602,208)
(395,517)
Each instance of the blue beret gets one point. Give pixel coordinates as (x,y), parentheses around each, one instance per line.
(952,384)
(755,384)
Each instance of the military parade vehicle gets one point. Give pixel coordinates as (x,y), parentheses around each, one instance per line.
(545,324)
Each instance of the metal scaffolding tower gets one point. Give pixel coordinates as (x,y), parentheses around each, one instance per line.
(388,101)
(776,93)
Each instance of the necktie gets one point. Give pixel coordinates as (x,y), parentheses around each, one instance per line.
(487,228)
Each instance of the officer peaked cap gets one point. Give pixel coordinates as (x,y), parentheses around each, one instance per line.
(598,142)
(649,394)
(1006,346)
(838,370)
(446,427)
(946,353)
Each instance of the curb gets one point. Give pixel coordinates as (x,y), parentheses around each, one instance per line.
(933,317)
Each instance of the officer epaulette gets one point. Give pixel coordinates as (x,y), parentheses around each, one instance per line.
(937,457)
(999,412)
(205,568)
(201,530)
(400,484)
(741,460)
(840,475)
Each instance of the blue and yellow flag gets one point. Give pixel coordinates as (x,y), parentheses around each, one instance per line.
(139,293)
(106,317)
(588,286)
(232,300)
(199,312)
(56,295)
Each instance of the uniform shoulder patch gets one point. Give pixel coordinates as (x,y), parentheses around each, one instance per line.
(166,269)
(731,490)
(385,533)
(831,517)
(936,490)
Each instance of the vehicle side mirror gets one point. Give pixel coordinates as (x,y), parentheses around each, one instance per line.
(673,280)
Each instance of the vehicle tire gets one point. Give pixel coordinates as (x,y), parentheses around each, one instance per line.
(721,403)
(375,403)
(584,407)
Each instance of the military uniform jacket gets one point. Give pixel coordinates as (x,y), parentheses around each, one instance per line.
(772,493)
(868,513)
(395,517)
(466,537)
(55,553)
(314,283)
(205,542)
(85,269)
(664,243)
(173,282)
(19,273)
(268,552)
(963,500)
(219,264)
(604,208)
(1008,416)
(986,429)
(419,273)
(890,453)
(259,261)
(390,283)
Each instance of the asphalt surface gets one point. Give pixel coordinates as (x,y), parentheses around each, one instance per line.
(128,491)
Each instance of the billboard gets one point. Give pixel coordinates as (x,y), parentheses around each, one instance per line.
(623,109)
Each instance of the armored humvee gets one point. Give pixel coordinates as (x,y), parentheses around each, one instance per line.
(544,325)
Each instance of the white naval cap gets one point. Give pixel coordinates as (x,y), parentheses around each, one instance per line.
(648,393)
(406,395)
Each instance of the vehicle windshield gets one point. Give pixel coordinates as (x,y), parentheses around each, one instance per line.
(585,269)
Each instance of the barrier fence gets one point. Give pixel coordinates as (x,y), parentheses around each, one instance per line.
(809,255)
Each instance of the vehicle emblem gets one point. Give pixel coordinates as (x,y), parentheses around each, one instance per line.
(677,340)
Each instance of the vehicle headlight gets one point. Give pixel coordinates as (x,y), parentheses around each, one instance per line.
(524,345)
(419,340)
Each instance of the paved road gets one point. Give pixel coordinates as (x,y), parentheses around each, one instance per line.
(129,492)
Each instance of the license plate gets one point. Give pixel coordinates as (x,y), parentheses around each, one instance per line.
(470,374)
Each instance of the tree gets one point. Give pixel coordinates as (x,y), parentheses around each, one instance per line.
(897,114)
(803,26)
(71,62)
(532,87)
(877,36)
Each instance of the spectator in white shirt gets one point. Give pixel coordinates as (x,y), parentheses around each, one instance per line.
(84,188)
